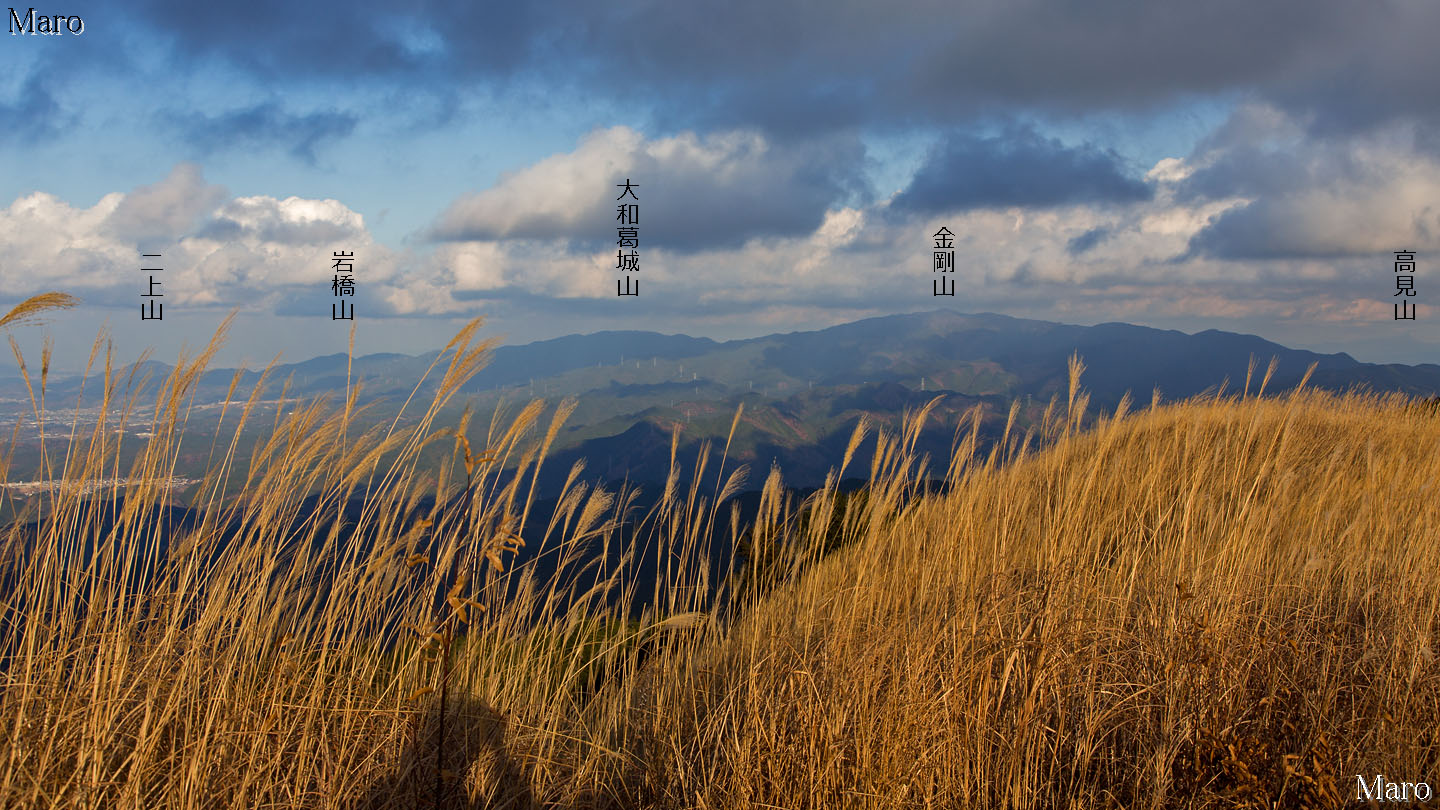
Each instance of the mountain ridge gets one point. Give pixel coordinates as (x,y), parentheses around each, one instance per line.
(804,391)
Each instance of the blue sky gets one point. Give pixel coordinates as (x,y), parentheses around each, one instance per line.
(1225,165)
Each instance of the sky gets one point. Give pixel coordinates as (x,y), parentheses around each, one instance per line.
(1233,165)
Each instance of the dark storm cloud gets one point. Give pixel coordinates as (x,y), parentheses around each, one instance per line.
(1266,229)
(1020,168)
(1254,172)
(788,66)
(1315,199)
(1247,232)
(1383,72)
(1086,241)
(289,40)
(1315,225)
(1108,53)
(266,125)
(34,115)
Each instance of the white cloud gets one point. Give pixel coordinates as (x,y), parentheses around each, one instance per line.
(1356,199)
(215,250)
(694,193)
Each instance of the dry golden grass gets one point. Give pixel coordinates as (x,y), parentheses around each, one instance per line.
(28,311)
(1228,602)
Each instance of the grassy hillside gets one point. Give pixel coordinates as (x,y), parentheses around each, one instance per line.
(1219,603)
(1214,604)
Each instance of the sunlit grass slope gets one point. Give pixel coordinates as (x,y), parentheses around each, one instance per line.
(1219,603)
(1228,602)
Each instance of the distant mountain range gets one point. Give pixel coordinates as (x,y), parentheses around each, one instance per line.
(804,391)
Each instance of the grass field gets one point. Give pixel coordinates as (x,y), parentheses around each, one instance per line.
(1225,602)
